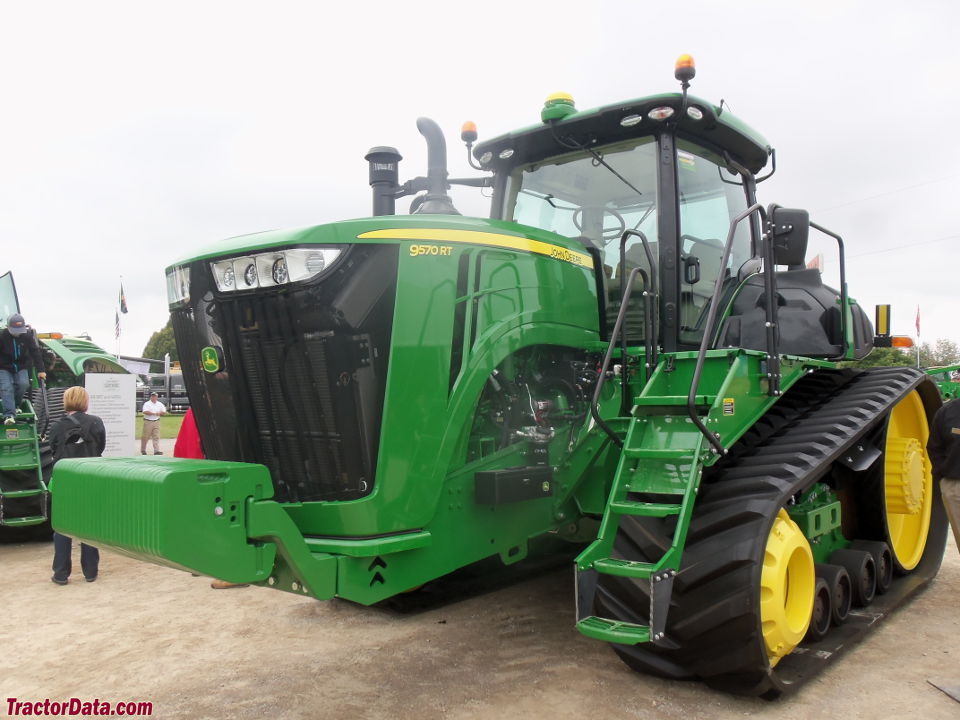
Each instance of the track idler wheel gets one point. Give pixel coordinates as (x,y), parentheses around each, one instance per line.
(881,558)
(863,574)
(841,591)
(787,587)
(822,611)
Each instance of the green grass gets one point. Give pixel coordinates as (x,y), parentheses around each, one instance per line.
(169,425)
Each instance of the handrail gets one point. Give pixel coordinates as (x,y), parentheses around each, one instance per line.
(649,319)
(617,327)
(650,332)
(46,409)
(709,330)
(843,292)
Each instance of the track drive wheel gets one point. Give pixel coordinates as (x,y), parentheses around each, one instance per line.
(907,483)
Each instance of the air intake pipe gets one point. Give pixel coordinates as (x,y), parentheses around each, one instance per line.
(436,201)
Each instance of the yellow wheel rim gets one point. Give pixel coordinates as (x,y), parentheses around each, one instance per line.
(787,587)
(907,481)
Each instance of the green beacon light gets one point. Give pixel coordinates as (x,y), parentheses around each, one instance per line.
(557,106)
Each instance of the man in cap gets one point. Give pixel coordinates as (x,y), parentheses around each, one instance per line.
(19,353)
(152,410)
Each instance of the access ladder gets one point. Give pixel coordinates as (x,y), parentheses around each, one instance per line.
(657,476)
(21,474)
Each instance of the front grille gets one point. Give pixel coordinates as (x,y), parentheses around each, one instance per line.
(303,379)
(296,419)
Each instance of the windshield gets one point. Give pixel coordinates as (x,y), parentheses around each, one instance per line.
(595,196)
(591,196)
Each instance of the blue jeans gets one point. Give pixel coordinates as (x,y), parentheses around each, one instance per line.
(63,564)
(13,386)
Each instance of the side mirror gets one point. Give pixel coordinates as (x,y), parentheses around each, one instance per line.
(791,229)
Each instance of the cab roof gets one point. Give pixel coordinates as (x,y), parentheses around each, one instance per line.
(717,130)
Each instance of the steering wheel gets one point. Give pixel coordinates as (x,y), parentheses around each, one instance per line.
(606,233)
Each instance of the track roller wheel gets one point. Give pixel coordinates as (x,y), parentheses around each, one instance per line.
(863,574)
(907,483)
(841,591)
(822,610)
(881,558)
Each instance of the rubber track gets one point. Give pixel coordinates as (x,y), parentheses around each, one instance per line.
(714,625)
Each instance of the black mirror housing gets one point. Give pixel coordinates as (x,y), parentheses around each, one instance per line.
(791,229)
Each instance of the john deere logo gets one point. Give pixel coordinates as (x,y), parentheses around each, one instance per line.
(210,359)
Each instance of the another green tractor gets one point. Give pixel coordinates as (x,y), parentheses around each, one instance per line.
(628,355)
(25,459)
(947,379)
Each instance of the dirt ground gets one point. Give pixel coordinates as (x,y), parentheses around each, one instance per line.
(147,633)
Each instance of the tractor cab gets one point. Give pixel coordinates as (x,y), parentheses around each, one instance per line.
(656,184)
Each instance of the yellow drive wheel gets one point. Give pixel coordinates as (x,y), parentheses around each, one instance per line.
(787,588)
(907,483)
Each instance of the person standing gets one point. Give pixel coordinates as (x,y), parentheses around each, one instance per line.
(19,352)
(944,450)
(74,435)
(152,410)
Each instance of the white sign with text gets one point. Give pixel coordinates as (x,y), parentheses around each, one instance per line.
(113,398)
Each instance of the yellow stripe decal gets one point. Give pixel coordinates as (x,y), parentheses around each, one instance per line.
(476,237)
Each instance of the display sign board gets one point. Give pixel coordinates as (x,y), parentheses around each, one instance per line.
(113,400)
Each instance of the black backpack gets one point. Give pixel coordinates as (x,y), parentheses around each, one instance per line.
(77,441)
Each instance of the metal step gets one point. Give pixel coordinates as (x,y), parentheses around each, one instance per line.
(660,453)
(644,509)
(22,493)
(614,631)
(28,466)
(30,520)
(624,568)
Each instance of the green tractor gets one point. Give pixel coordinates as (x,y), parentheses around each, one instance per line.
(947,379)
(628,356)
(25,459)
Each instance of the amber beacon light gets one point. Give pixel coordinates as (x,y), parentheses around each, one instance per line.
(685,69)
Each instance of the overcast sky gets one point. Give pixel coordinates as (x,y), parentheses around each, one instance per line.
(133,133)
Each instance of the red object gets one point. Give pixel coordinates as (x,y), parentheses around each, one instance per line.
(188,439)
(918,321)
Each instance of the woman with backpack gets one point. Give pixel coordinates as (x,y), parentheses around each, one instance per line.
(76,434)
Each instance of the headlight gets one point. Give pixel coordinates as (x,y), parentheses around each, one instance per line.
(178,285)
(249,274)
(269,269)
(224,275)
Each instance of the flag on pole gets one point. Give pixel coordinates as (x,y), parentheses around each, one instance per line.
(123,300)
(918,321)
(118,324)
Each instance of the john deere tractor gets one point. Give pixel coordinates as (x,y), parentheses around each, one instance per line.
(629,355)
(25,458)
(947,379)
